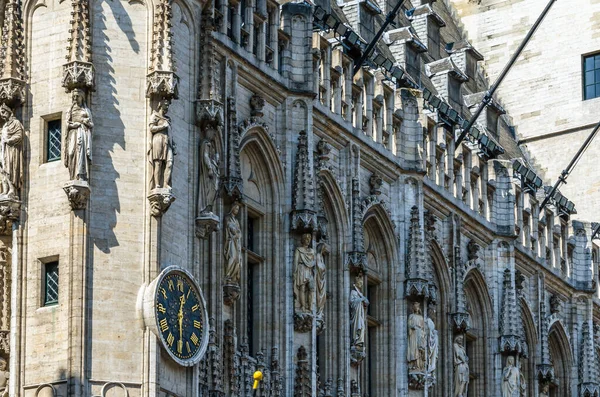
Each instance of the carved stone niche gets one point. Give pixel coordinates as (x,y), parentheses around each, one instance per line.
(162,84)
(78,193)
(78,74)
(160,201)
(12,91)
(9,212)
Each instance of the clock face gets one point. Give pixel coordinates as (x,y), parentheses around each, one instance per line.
(179,312)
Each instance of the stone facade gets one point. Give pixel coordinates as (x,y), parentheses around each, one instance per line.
(344,244)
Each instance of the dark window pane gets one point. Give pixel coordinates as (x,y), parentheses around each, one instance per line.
(589,63)
(596,77)
(597,90)
(51,283)
(54,140)
(590,92)
(597,58)
(589,77)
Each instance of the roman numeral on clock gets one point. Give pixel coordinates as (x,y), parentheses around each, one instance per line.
(194,339)
(163,325)
(170,339)
(195,307)
(179,346)
(197,324)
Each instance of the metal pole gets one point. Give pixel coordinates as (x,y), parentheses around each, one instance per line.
(488,95)
(367,53)
(565,174)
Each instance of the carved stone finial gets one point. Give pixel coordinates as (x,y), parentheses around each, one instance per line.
(12,56)
(79,71)
(303,198)
(257,103)
(588,371)
(545,369)
(232,180)
(162,82)
(302,384)
(78,193)
(511,323)
(417,274)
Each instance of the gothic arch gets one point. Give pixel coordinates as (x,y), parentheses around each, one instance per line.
(380,239)
(443,281)
(264,275)
(561,357)
(531,337)
(480,308)
(331,343)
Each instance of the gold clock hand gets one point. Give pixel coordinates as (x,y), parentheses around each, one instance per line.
(180,318)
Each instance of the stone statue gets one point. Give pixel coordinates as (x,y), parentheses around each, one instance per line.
(233,246)
(162,147)
(78,150)
(510,379)
(432,342)
(322,249)
(416,340)
(209,169)
(304,283)
(461,368)
(545,391)
(11,152)
(4,376)
(358,314)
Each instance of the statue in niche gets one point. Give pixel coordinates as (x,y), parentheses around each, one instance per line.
(4,376)
(432,342)
(545,391)
(11,153)
(209,169)
(162,147)
(233,246)
(304,283)
(461,368)
(322,250)
(416,340)
(510,379)
(358,314)
(78,150)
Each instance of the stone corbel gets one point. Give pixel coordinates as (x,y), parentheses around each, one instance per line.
(12,91)
(10,209)
(78,193)
(160,201)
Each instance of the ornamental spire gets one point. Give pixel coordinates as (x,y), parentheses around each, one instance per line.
(79,72)
(510,318)
(162,82)
(12,55)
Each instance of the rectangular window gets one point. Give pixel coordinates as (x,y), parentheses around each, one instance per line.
(50,292)
(53,140)
(591,76)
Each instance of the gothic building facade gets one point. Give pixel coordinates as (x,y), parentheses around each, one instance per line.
(199,198)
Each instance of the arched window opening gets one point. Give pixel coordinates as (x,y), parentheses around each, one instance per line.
(561,360)
(479,309)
